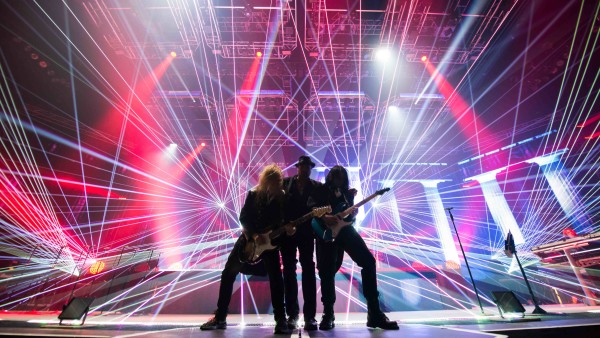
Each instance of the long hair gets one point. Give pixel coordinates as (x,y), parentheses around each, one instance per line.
(336,171)
(269,175)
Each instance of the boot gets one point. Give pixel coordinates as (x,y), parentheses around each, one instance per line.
(310,324)
(293,322)
(281,326)
(328,319)
(215,323)
(380,320)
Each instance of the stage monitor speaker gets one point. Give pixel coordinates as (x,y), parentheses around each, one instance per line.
(507,302)
(77,309)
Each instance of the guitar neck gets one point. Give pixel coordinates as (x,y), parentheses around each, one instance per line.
(358,205)
(302,219)
(277,232)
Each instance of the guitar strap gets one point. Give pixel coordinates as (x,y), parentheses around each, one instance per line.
(343,195)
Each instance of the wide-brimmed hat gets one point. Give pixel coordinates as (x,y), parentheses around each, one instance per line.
(305,160)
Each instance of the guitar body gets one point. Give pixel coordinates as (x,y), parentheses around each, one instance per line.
(343,213)
(253,249)
(328,234)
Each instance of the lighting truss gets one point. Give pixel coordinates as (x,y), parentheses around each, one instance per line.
(173,25)
(417,27)
(335,118)
(239,29)
(336,30)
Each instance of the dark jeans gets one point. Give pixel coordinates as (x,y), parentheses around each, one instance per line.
(304,242)
(329,261)
(232,269)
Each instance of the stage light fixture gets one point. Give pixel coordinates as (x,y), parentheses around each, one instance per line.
(507,302)
(424,58)
(170,150)
(77,309)
(383,54)
(393,110)
(259,54)
(97,267)
(203,144)
(173,54)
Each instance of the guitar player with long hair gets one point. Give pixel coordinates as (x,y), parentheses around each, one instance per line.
(262,210)
(336,192)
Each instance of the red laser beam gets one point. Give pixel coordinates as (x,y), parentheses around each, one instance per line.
(593,136)
(237,118)
(467,120)
(589,121)
(139,135)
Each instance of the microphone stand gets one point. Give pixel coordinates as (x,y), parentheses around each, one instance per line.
(466,261)
(510,249)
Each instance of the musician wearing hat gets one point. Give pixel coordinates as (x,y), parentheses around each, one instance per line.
(297,189)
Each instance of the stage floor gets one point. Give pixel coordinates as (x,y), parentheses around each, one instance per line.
(584,321)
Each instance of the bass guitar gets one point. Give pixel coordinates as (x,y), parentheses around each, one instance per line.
(258,244)
(341,212)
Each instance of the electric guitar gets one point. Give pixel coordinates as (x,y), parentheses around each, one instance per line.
(341,212)
(258,244)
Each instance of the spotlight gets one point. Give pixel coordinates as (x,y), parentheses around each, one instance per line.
(393,110)
(173,54)
(203,144)
(382,54)
(97,267)
(259,54)
(171,149)
(424,58)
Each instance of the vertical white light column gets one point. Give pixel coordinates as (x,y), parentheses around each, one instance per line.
(496,202)
(388,204)
(555,173)
(441,222)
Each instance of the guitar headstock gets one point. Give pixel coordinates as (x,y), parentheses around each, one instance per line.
(382,191)
(319,212)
